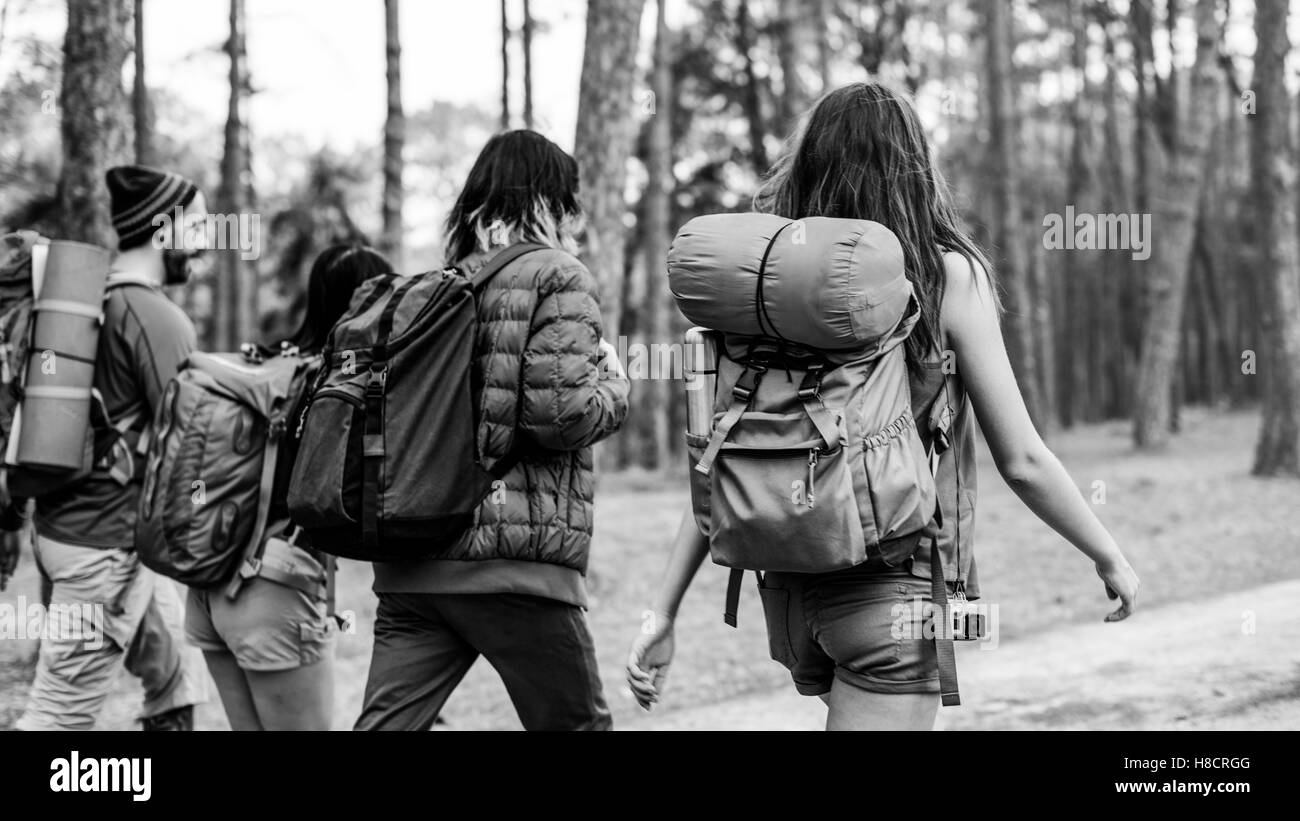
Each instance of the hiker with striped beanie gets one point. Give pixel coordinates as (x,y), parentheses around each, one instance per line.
(85,533)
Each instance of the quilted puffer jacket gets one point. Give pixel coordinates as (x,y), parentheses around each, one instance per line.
(542,394)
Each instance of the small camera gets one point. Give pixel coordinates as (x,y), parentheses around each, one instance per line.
(967,625)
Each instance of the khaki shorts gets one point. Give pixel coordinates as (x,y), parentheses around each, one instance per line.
(844,625)
(267,627)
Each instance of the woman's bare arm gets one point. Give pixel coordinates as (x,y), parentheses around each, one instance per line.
(973,331)
(689,549)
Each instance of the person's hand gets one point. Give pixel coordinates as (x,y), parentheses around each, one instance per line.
(11,547)
(647,663)
(1121,583)
(609,365)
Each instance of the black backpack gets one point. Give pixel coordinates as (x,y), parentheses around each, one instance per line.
(387,466)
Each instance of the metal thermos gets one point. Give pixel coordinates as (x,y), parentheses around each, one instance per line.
(700,369)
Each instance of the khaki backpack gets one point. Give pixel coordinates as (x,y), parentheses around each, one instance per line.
(812,461)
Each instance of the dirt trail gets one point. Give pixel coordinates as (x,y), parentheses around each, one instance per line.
(1194,665)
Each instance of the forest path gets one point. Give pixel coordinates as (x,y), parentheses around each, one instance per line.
(1150,672)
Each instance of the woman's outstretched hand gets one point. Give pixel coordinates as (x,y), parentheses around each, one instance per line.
(647,663)
(1121,583)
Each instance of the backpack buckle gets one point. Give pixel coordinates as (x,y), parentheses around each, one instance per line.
(747,384)
(811,385)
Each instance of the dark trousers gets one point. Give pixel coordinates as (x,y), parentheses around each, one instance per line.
(426,642)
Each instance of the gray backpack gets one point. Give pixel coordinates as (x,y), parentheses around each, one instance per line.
(211,466)
(388,468)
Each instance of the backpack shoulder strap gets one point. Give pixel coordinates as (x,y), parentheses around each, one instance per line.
(120,280)
(500,260)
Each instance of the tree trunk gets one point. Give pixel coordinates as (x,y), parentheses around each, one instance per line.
(528,65)
(1113,359)
(394,140)
(237,321)
(1007,235)
(140,96)
(505,68)
(653,408)
(821,31)
(752,98)
(603,142)
(1273,160)
(4,21)
(1073,384)
(1140,21)
(1176,217)
(791,40)
(94,110)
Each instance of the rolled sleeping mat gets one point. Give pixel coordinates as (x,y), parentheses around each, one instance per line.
(825,283)
(66,318)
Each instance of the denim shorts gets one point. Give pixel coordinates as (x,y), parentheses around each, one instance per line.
(851,624)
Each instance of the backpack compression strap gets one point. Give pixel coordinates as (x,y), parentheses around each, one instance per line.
(249,567)
(373,432)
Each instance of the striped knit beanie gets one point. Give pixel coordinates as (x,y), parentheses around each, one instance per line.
(139,194)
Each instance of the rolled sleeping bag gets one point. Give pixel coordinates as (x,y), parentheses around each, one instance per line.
(61,359)
(825,283)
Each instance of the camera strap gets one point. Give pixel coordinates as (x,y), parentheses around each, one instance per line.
(944,649)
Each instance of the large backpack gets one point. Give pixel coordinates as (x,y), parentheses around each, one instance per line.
(211,466)
(15,317)
(387,467)
(101,445)
(812,461)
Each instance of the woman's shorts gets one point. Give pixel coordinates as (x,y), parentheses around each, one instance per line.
(267,627)
(860,625)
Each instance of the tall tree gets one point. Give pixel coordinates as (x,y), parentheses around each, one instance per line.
(394,138)
(237,303)
(1006,227)
(1141,25)
(94,110)
(505,67)
(1274,173)
(791,53)
(528,65)
(752,99)
(140,95)
(1113,362)
(821,32)
(1175,214)
(1072,362)
(4,20)
(603,142)
(653,408)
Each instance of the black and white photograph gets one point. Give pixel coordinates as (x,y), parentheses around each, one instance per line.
(660,366)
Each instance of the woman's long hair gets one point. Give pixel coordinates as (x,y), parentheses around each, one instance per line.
(335,274)
(861,153)
(522,188)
